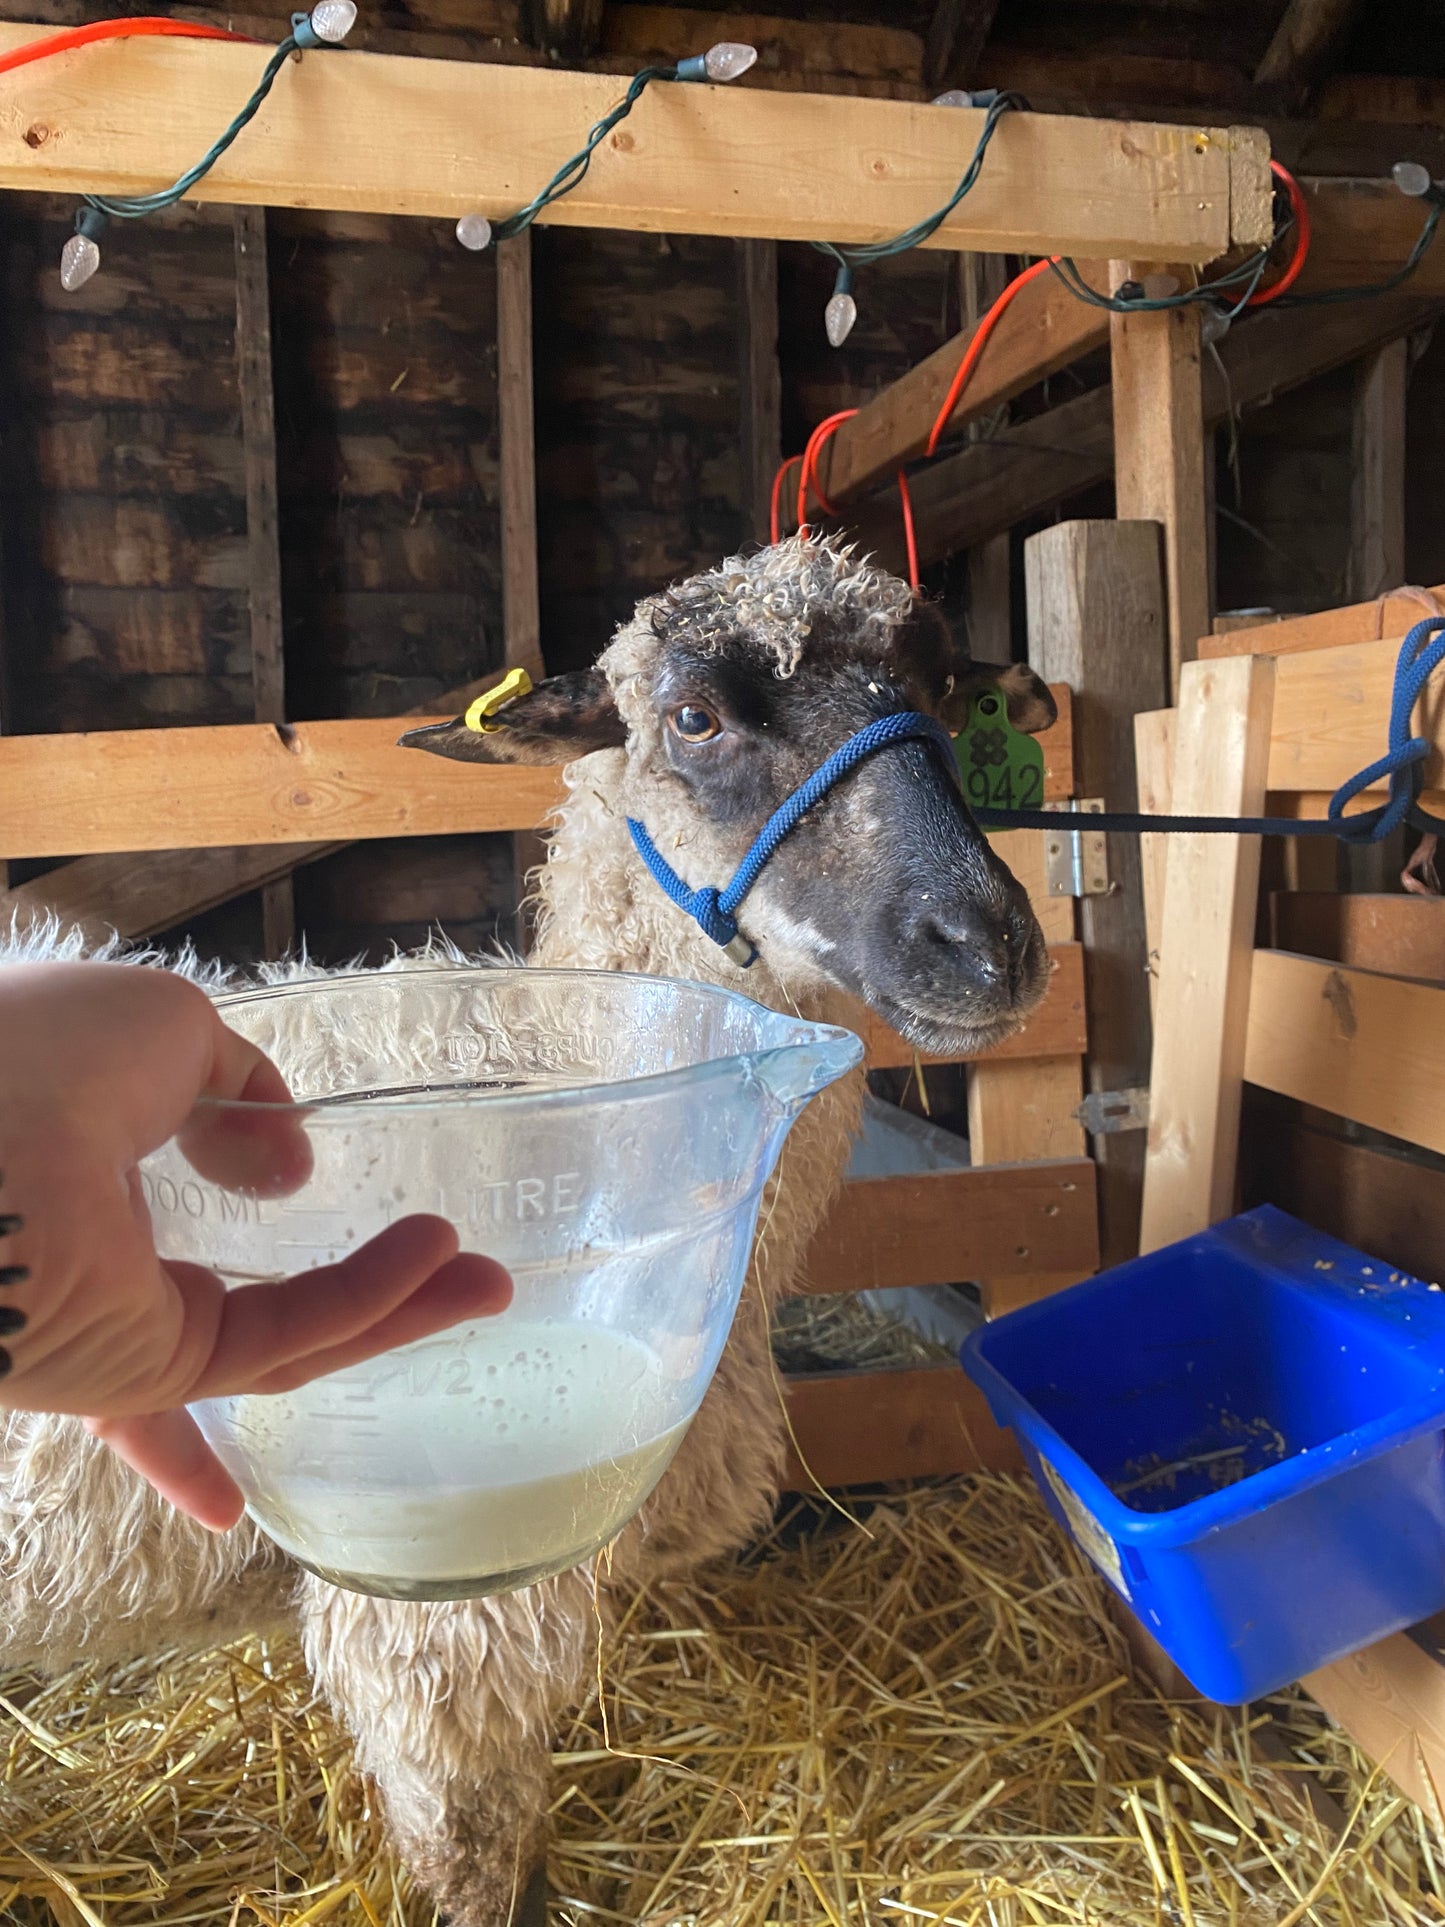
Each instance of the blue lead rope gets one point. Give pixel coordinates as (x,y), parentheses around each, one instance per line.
(713,909)
(1402,766)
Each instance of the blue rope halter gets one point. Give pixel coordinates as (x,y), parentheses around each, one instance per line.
(713,909)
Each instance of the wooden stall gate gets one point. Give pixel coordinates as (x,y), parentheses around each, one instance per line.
(1339,1014)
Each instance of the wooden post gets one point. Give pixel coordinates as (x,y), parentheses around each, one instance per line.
(521,598)
(760,388)
(1377,500)
(1221,762)
(1159,472)
(263,520)
(1096,614)
(1154,763)
(982,279)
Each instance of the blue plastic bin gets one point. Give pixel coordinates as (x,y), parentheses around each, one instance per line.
(1264,1349)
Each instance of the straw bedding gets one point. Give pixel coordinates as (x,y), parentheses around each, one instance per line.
(927,1719)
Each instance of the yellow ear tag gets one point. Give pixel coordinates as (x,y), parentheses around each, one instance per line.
(515,684)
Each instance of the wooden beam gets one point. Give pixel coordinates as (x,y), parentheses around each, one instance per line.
(1387,1202)
(1056,1029)
(846,58)
(1195,1084)
(862,1428)
(1356,1043)
(968,497)
(1400,934)
(82,794)
(1154,765)
(1377,492)
(521,610)
(1097,621)
(945,1227)
(1363,232)
(563,29)
(378,134)
(760,387)
(957,33)
(1390,615)
(1159,468)
(263,521)
(1045,328)
(1390,1699)
(1331,716)
(1308,34)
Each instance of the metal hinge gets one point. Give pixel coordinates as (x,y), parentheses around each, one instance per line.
(1076,862)
(1103,1112)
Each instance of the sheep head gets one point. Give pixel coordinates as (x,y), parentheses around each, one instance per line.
(724,694)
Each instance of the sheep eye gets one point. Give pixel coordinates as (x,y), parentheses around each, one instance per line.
(694,724)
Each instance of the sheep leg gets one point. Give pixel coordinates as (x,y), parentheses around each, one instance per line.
(453,1707)
(94,1566)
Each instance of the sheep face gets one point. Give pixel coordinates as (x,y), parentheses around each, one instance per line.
(725,693)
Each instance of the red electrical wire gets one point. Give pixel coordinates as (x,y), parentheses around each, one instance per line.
(1300,208)
(808,474)
(905,502)
(59,43)
(775,511)
(978,341)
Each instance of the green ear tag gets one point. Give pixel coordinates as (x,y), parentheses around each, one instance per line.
(1002,769)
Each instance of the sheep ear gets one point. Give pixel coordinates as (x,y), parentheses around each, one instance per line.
(561,719)
(1031,706)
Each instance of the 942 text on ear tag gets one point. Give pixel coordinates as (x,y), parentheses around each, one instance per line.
(1002,769)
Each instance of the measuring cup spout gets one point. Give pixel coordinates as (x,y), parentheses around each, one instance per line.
(798,1070)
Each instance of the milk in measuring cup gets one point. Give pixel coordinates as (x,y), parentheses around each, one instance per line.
(482,1459)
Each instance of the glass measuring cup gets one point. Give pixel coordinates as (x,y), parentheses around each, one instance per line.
(606,1138)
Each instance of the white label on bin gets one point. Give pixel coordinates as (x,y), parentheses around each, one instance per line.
(1087,1530)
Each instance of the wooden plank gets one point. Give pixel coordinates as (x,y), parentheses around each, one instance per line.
(1377,495)
(1159,457)
(1220,755)
(1359,622)
(386,135)
(1387,1202)
(1096,602)
(1308,34)
(760,388)
(79,794)
(1356,1043)
(1056,1029)
(946,1227)
(957,33)
(263,521)
(565,30)
(1391,1701)
(968,497)
(865,1428)
(1332,712)
(1402,935)
(1045,329)
(1362,232)
(521,611)
(1023,1111)
(1024,853)
(1154,764)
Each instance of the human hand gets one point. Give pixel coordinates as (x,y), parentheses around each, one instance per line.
(100,1064)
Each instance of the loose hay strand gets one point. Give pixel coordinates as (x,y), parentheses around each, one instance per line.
(932,1725)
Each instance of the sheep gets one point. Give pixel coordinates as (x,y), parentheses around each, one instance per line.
(713,702)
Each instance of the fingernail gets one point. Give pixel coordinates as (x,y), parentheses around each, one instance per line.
(9,1222)
(13,1274)
(11,1321)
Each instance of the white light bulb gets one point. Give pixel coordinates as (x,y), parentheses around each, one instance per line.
(79,259)
(1213,325)
(1412,179)
(955,97)
(474,231)
(838,318)
(332,20)
(729,60)
(1159,287)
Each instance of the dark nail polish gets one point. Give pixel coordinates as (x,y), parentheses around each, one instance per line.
(11,1321)
(13,1274)
(9,1222)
